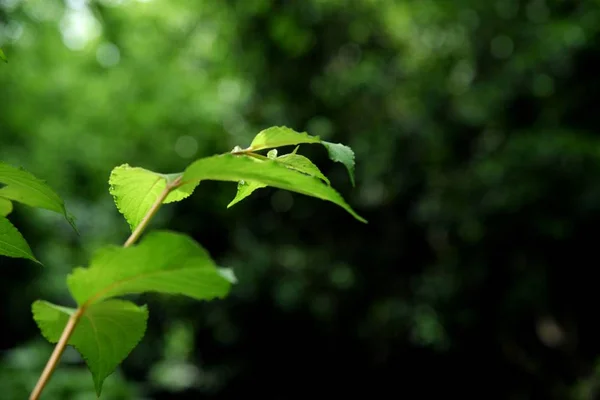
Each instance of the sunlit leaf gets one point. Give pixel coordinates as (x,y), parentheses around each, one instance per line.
(341,153)
(164,262)
(3,56)
(6,207)
(280,136)
(12,243)
(292,160)
(230,167)
(272,154)
(106,333)
(245,189)
(25,188)
(228,274)
(135,189)
(302,164)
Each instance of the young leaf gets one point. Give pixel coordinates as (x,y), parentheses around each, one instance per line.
(245,189)
(25,188)
(164,262)
(280,136)
(272,154)
(283,136)
(230,167)
(293,161)
(228,274)
(136,189)
(341,153)
(6,207)
(106,333)
(3,56)
(302,164)
(12,243)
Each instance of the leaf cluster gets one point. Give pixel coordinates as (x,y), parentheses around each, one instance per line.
(106,327)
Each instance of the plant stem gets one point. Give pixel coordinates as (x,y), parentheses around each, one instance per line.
(256,155)
(76,316)
(56,354)
(153,210)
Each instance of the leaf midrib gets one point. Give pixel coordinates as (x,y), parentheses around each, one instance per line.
(12,181)
(20,251)
(99,295)
(15,247)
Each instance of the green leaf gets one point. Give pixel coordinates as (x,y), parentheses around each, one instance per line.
(272,154)
(302,164)
(283,136)
(280,136)
(106,333)
(341,153)
(136,189)
(25,188)
(230,167)
(6,207)
(245,189)
(292,160)
(3,56)
(12,243)
(164,262)
(228,274)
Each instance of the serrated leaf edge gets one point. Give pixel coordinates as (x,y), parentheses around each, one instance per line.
(70,311)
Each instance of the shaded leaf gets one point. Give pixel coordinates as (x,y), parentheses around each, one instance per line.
(25,188)
(12,243)
(280,136)
(164,262)
(230,167)
(3,56)
(341,153)
(106,333)
(6,207)
(135,189)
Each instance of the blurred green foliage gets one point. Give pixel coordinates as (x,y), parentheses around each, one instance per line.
(477,167)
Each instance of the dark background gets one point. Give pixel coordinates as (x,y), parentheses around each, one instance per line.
(474,125)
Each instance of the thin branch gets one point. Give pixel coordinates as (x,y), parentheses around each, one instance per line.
(56,354)
(76,316)
(146,220)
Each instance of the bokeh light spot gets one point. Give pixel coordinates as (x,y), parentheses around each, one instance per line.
(342,277)
(186,146)
(78,28)
(108,55)
(502,47)
(282,201)
(537,11)
(543,85)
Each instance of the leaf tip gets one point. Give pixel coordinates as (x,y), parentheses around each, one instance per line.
(233,202)
(343,154)
(98,386)
(72,221)
(228,275)
(357,217)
